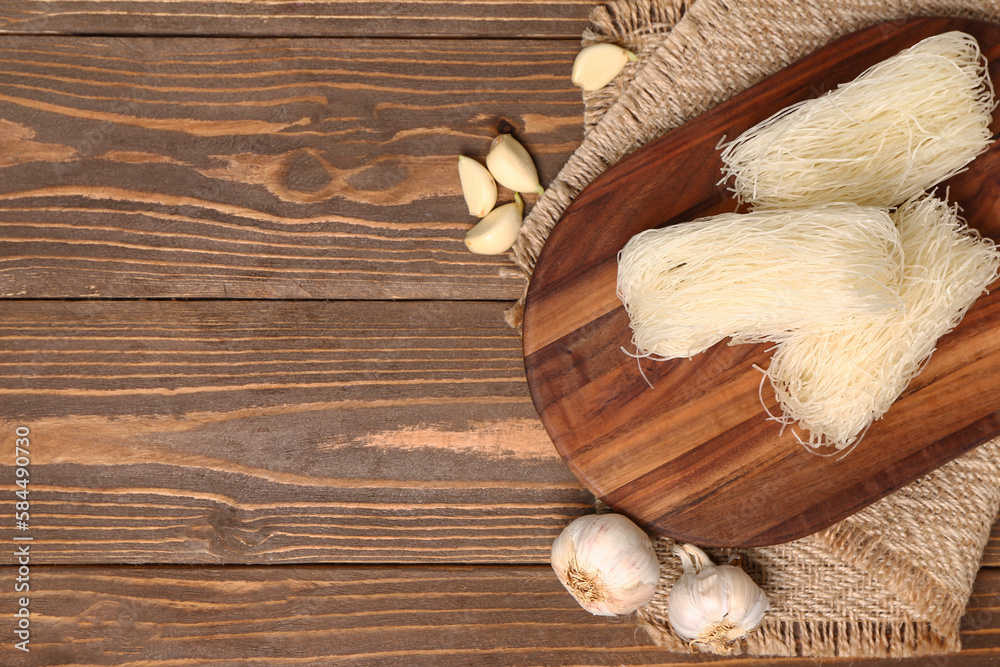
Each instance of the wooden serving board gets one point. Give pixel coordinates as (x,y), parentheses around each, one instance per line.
(695,457)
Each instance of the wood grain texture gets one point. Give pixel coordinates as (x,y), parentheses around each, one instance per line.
(269,433)
(991,554)
(220,432)
(365,616)
(693,456)
(227,432)
(263,168)
(316,18)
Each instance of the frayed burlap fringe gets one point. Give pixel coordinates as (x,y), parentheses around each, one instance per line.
(694,54)
(894,579)
(637,26)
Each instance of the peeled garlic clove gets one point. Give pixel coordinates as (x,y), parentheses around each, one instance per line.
(478,186)
(596,65)
(607,563)
(713,605)
(511,165)
(496,232)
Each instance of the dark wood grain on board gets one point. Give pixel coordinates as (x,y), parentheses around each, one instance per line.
(229,432)
(317,18)
(221,168)
(694,457)
(338,615)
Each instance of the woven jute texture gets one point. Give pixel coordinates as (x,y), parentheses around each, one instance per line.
(894,579)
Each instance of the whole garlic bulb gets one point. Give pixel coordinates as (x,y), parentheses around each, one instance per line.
(607,563)
(713,605)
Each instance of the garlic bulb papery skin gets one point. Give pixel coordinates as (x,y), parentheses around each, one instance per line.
(713,605)
(497,232)
(478,187)
(607,563)
(511,166)
(598,64)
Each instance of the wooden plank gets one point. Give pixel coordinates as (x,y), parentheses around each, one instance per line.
(222,432)
(317,18)
(336,615)
(266,168)
(227,432)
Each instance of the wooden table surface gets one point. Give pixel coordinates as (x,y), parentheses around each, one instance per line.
(274,414)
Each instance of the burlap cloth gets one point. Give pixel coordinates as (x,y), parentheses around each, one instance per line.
(894,579)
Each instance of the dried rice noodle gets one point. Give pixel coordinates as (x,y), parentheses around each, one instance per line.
(835,384)
(756,276)
(900,128)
